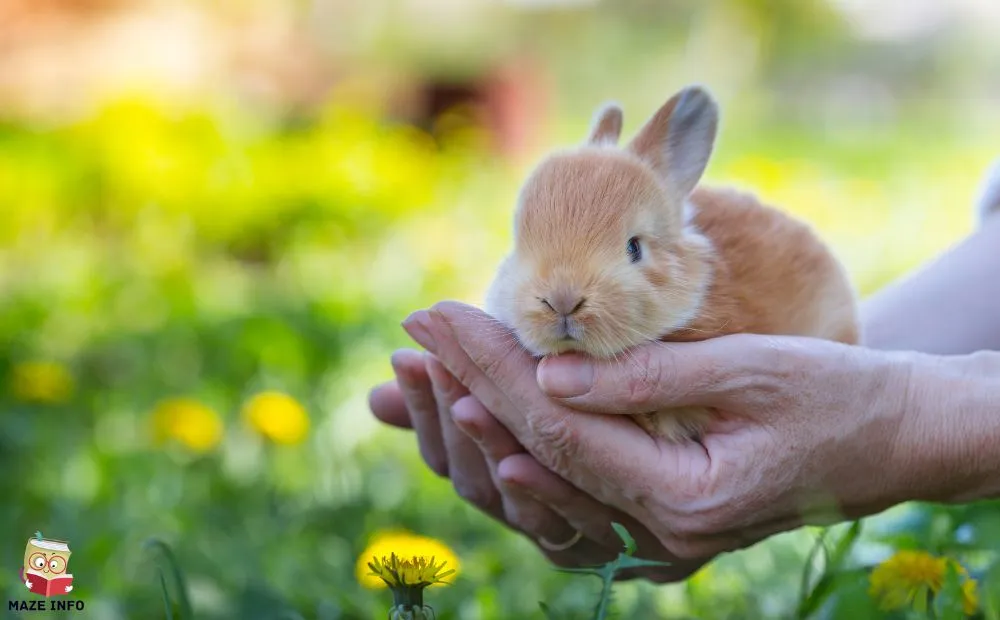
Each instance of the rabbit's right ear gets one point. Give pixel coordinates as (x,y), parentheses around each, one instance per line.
(606,128)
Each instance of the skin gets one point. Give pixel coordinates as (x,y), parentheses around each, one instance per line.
(811,431)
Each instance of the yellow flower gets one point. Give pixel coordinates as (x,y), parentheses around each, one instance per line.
(42,382)
(195,425)
(970,597)
(278,417)
(911,575)
(418,571)
(419,552)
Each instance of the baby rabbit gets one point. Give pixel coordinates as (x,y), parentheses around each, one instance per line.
(615,247)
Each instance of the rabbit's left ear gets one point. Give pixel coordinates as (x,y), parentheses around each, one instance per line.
(678,140)
(606,128)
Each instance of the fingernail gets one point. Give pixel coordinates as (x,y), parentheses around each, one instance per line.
(417,325)
(565,376)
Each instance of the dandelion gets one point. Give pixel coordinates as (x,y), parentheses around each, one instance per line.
(406,564)
(407,580)
(278,417)
(42,382)
(188,421)
(909,577)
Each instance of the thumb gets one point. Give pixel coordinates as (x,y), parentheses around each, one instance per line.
(659,375)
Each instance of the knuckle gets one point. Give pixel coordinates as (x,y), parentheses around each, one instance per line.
(558,438)
(491,365)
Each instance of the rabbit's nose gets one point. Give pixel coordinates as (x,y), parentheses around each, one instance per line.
(564,304)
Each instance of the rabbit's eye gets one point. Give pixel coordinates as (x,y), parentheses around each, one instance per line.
(634,249)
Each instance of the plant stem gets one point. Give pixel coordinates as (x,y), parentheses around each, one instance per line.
(607,581)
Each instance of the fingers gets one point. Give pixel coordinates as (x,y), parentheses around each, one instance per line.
(495,441)
(417,392)
(467,467)
(581,511)
(592,518)
(521,510)
(490,360)
(657,376)
(389,406)
(503,380)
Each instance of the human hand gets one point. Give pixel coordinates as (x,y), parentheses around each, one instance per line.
(491,470)
(807,431)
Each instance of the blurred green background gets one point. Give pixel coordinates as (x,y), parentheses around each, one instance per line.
(215,215)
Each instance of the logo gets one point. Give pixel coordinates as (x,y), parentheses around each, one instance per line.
(46,572)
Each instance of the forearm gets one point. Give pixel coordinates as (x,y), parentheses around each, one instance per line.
(950,306)
(946,444)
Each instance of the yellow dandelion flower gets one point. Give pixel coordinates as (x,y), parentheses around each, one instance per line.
(407,579)
(42,382)
(409,546)
(188,421)
(909,576)
(417,571)
(277,416)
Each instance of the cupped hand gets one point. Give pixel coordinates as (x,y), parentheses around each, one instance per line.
(806,430)
(459,438)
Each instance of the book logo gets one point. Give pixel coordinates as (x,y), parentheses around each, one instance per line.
(45,572)
(46,566)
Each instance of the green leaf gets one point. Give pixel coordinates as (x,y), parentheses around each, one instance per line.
(597,572)
(628,561)
(807,569)
(844,545)
(849,597)
(990,591)
(630,545)
(948,602)
(834,563)
(179,583)
(166,596)
(38,535)
(828,584)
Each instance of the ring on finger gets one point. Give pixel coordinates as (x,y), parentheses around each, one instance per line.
(551,546)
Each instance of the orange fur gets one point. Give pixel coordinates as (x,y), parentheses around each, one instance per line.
(615,247)
(771,274)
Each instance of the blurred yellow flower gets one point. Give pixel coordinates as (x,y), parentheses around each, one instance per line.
(188,421)
(277,416)
(42,382)
(910,575)
(420,550)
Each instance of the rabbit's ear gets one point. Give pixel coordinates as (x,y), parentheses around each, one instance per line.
(678,140)
(606,128)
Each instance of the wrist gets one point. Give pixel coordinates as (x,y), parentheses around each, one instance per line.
(945,447)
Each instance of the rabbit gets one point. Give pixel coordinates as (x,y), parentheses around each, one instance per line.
(618,246)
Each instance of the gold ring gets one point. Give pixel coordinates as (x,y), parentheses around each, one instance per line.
(563,546)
